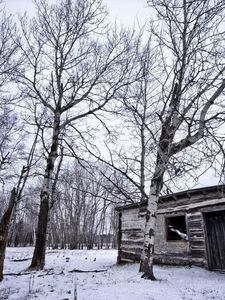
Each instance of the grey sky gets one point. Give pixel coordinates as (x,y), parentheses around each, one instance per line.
(127,12)
(14,6)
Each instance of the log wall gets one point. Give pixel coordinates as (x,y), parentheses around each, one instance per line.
(180,252)
(132,235)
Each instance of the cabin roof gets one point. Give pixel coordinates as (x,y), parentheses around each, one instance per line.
(216,189)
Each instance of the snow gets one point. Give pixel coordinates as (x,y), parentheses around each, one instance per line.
(121,282)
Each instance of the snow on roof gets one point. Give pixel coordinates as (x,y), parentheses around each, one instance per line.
(218,189)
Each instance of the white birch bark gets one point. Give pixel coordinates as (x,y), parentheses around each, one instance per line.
(38,260)
(146,265)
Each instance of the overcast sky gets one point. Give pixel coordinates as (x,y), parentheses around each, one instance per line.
(127,12)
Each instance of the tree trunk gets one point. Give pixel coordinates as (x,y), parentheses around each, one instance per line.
(4,229)
(146,264)
(38,260)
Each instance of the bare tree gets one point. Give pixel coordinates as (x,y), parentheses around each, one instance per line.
(8,52)
(189,107)
(11,140)
(9,61)
(16,194)
(70,74)
(10,144)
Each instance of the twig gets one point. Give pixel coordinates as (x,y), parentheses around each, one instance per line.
(42,275)
(21,259)
(88,271)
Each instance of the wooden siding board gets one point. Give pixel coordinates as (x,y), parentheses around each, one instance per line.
(119,237)
(133,249)
(188,207)
(131,230)
(215,226)
(196,235)
(130,255)
(198,198)
(132,224)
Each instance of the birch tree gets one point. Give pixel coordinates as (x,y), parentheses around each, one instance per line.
(189,108)
(8,51)
(73,67)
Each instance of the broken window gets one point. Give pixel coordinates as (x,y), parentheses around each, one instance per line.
(176,228)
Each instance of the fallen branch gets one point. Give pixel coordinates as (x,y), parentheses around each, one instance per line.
(17,274)
(88,271)
(21,259)
(42,275)
(28,273)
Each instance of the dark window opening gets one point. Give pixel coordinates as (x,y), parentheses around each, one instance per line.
(176,228)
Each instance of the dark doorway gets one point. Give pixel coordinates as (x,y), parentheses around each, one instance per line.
(215,235)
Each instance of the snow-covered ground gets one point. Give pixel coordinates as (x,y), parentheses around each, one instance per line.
(116,282)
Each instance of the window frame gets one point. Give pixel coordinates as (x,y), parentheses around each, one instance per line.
(167,227)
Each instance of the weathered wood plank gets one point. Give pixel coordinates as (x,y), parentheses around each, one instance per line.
(135,250)
(194,224)
(215,225)
(197,252)
(126,260)
(130,255)
(193,216)
(196,238)
(179,207)
(130,214)
(196,230)
(132,224)
(126,230)
(198,243)
(132,243)
(119,237)
(191,200)
(132,235)
(178,260)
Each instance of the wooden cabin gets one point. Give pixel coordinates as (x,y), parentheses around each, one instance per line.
(190,229)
